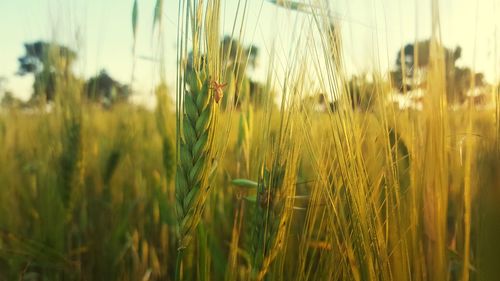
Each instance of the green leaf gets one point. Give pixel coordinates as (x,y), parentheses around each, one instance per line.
(292,5)
(251,198)
(244,183)
(157,13)
(135,11)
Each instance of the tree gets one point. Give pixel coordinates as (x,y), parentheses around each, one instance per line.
(237,59)
(3,81)
(9,100)
(236,56)
(363,90)
(413,60)
(104,88)
(49,63)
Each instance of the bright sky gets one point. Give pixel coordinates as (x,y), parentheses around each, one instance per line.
(373,31)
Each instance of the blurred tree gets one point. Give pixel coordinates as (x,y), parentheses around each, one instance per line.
(363,91)
(9,100)
(413,60)
(319,103)
(103,88)
(238,57)
(3,81)
(50,63)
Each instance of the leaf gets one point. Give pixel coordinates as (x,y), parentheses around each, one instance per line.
(251,198)
(245,183)
(157,13)
(292,5)
(135,11)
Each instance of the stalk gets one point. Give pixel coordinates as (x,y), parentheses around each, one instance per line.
(195,166)
(197,105)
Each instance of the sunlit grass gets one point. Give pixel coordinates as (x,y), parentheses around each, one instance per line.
(359,191)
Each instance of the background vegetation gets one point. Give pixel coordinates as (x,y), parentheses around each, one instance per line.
(294,185)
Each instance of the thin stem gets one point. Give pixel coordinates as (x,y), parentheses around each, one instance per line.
(178,267)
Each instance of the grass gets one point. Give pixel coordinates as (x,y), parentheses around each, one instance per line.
(255,193)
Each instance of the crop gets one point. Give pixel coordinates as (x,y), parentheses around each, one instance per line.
(230,178)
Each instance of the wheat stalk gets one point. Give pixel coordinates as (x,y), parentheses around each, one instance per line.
(270,225)
(273,209)
(195,165)
(199,91)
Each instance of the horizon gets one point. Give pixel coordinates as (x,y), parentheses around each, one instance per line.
(369,45)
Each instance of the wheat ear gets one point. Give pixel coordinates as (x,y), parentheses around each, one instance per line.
(273,210)
(195,158)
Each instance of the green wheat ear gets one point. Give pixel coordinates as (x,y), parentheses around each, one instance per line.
(275,194)
(195,154)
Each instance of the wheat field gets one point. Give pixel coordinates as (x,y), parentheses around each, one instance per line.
(228,179)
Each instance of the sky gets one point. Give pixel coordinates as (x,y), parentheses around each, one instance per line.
(372,32)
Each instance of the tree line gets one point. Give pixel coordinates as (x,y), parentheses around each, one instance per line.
(51,64)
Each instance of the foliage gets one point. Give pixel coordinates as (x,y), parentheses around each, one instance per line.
(104,88)
(9,100)
(413,62)
(49,62)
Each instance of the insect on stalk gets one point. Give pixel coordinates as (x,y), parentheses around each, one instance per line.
(217,87)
